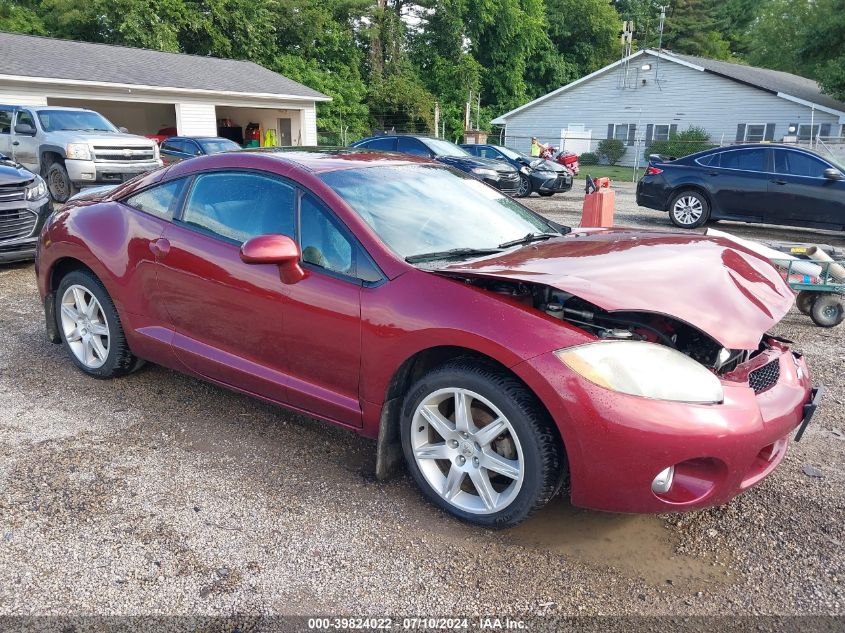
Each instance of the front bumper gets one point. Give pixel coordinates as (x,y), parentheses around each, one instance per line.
(89,172)
(21,247)
(616,444)
(559,183)
(508,185)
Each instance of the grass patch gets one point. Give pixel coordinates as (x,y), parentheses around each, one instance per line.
(614,172)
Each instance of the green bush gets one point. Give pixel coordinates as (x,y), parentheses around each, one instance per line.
(680,144)
(588,158)
(611,150)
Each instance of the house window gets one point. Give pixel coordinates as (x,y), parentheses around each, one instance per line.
(661,132)
(805,134)
(620,132)
(755,133)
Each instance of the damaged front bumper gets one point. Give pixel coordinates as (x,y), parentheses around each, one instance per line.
(618,444)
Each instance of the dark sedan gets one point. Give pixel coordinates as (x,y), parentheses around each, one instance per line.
(772,184)
(24,206)
(179,148)
(494,172)
(535,174)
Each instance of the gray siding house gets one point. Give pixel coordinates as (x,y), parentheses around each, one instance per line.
(644,97)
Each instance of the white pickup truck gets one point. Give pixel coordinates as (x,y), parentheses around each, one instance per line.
(73,147)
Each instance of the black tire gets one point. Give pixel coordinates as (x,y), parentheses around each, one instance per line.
(59,184)
(804,301)
(682,215)
(119,360)
(827,310)
(544,461)
(524,187)
(546,194)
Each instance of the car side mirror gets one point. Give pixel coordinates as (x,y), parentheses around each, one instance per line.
(25,129)
(275,249)
(832,174)
(123,130)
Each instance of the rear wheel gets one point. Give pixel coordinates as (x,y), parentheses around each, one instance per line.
(827,310)
(689,209)
(479,445)
(524,186)
(90,328)
(804,301)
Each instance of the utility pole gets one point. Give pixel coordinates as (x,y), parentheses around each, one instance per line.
(466,112)
(478,113)
(436,118)
(659,45)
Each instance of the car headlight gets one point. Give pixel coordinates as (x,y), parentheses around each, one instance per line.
(485,173)
(78,151)
(644,369)
(525,170)
(36,189)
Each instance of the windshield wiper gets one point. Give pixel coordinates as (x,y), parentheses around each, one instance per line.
(527,239)
(453,253)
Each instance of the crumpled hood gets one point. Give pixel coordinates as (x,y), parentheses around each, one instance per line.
(721,288)
(470,162)
(12,173)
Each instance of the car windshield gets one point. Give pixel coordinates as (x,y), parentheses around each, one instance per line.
(418,209)
(507,151)
(217,145)
(840,165)
(444,148)
(81,120)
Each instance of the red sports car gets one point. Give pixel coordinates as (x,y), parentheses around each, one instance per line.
(502,354)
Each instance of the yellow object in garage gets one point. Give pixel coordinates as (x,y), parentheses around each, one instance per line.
(270,138)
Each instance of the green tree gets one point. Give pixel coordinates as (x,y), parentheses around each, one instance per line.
(823,46)
(18,17)
(775,38)
(585,33)
(694,27)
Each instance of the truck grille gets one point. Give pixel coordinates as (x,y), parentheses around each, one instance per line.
(12,194)
(124,154)
(764,377)
(16,223)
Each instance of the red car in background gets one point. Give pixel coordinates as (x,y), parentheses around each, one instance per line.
(503,355)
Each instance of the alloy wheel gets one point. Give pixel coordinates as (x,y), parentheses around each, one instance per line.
(85,327)
(467,451)
(524,187)
(687,210)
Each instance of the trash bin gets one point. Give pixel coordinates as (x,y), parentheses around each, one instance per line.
(599,200)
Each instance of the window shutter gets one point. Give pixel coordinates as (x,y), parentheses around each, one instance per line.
(610,130)
(825,130)
(740,133)
(770,132)
(673,130)
(632,133)
(649,134)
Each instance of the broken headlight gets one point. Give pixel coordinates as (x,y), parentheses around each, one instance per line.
(644,369)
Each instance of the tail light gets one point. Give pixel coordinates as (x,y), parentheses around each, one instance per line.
(651,171)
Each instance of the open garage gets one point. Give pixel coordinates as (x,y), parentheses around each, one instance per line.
(152,92)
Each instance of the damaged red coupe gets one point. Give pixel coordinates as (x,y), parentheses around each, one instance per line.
(503,355)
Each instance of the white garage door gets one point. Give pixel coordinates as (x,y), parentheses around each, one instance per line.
(196,119)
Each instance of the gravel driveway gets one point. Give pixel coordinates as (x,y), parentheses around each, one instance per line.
(160,494)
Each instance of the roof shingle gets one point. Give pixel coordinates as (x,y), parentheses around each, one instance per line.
(34,56)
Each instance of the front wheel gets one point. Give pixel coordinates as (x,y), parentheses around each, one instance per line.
(827,310)
(59,183)
(90,327)
(479,444)
(689,209)
(524,186)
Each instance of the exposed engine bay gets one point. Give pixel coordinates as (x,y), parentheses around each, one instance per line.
(620,325)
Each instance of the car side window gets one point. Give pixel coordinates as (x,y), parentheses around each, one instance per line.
(192,148)
(798,164)
(384,144)
(709,161)
(240,205)
(745,159)
(412,146)
(25,117)
(160,200)
(323,243)
(489,152)
(172,146)
(5,121)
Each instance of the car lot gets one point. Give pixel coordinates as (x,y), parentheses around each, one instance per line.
(159,493)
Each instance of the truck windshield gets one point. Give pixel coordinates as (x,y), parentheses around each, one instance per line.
(80,120)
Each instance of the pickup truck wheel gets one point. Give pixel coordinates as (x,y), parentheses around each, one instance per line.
(59,184)
(479,445)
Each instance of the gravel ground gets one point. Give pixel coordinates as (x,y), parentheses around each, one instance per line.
(160,494)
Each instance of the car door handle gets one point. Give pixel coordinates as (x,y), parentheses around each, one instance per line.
(16,142)
(712,173)
(779,182)
(160,247)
